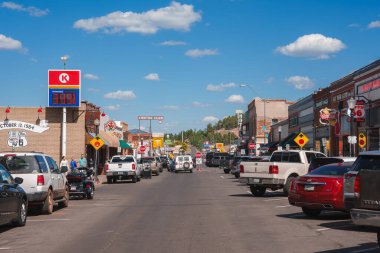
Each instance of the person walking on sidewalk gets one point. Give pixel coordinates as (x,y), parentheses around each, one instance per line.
(82,161)
(73,164)
(64,164)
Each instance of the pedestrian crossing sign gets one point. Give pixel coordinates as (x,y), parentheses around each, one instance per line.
(97,142)
(301,140)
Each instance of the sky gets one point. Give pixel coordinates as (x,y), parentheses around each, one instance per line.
(193,62)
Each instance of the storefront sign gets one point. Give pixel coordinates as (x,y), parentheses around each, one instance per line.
(110,125)
(372,85)
(327,116)
(13,124)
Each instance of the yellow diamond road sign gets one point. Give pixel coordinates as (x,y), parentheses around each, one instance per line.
(97,142)
(301,140)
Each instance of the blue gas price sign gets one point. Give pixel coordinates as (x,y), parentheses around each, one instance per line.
(64,98)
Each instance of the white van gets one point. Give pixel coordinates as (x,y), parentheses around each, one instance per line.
(184,163)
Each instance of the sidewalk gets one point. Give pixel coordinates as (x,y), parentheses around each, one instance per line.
(101,179)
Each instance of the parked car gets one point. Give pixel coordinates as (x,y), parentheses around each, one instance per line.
(320,161)
(81,183)
(164,160)
(159,163)
(362,182)
(226,163)
(238,159)
(215,161)
(13,199)
(155,169)
(209,157)
(44,183)
(184,163)
(320,189)
(122,168)
(278,173)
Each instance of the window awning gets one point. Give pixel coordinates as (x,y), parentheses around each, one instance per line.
(110,140)
(123,144)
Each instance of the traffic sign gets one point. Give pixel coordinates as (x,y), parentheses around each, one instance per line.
(198,155)
(251,146)
(352,139)
(359,112)
(362,140)
(97,142)
(142,149)
(301,140)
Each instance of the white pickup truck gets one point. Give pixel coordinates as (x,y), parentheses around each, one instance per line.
(282,168)
(122,167)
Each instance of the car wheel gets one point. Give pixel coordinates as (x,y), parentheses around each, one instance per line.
(109,180)
(22,214)
(191,171)
(90,195)
(66,197)
(288,183)
(237,175)
(114,180)
(226,171)
(176,171)
(134,179)
(258,191)
(48,206)
(312,213)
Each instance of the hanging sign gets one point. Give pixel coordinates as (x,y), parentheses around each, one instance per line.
(14,124)
(359,112)
(327,116)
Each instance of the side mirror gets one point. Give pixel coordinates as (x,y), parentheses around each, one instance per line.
(64,170)
(19,180)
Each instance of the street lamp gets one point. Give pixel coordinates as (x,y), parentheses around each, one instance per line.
(264,101)
(279,133)
(96,123)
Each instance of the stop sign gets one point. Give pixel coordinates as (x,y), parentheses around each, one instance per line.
(251,145)
(142,149)
(198,155)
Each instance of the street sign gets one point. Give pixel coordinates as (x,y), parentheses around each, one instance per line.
(198,155)
(198,161)
(362,140)
(251,145)
(142,149)
(97,142)
(301,140)
(359,112)
(64,88)
(219,145)
(352,139)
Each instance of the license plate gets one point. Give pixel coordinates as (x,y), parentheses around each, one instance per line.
(120,165)
(73,188)
(254,180)
(131,173)
(120,173)
(309,187)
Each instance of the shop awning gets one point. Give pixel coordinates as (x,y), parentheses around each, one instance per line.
(289,140)
(123,144)
(109,139)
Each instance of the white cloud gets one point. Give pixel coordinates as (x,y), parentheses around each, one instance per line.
(173,43)
(270,80)
(312,46)
(210,119)
(353,25)
(91,76)
(171,107)
(176,16)
(301,82)
(152,77)
(33,11)
(121,95)
(197,53)
(199,104)
(7,43)
(93,90)
(235,99)
(374,24)
(112,107)
(221,87)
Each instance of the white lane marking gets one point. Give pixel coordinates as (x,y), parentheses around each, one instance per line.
(50,220)
(273,199)
(5,248)
(222,177)
(324,229)
(249,192)
(283,206)
(364,250)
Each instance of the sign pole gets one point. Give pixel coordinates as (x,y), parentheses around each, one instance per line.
(64,118)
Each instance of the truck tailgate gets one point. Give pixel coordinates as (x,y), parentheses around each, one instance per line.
(369,190)
(251,168)
(120,167)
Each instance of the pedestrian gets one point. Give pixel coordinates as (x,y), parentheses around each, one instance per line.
(64,164)
(91,163)
(73,164)
(82,161)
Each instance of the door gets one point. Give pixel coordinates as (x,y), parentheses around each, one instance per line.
(8,196)
(57,174)
(51,173)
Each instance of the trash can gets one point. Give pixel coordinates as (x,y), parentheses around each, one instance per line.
(147,171)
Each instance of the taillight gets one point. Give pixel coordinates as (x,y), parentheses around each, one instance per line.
(273,169)
(133,166)
(107,167)
(88,186)
(241,168)
(40,180)
(293,185)
(357,186)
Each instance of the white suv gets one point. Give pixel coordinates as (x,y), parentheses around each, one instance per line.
(184,163)
(44,183)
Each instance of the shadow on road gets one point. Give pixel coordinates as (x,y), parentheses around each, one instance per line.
(365,247)
(241,195)
(348,226)
(324,216)
(5,228)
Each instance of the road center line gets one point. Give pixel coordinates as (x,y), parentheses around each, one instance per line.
(222,177)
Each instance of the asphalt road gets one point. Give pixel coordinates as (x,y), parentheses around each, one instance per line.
(206,211)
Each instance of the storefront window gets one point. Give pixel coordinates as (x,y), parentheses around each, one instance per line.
(373,136)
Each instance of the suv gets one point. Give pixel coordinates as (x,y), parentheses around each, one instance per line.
(44,183)
(184,163)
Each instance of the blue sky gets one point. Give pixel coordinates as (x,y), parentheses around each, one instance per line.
(184,60)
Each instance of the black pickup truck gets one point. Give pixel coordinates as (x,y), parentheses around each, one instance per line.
(366,190)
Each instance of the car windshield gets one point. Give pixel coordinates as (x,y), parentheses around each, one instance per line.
(336,169)
(21,164)
(118,159)
(367,162)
